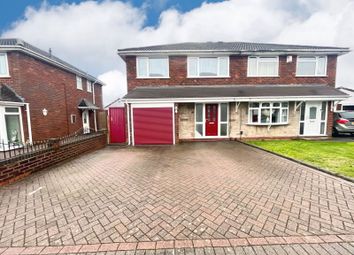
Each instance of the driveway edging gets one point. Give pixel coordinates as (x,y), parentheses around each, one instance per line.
(300,162)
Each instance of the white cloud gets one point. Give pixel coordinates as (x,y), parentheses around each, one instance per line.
(88,34)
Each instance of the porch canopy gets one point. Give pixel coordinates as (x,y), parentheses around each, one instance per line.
(235,93)
(87,105)
(8,95)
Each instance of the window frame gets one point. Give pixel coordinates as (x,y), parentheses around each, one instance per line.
(298,59)
(3,129)
(218,67)
(77,82)
(258,58)
(166,58)
(203,136)
(271,107)
(7,74)
(89,86)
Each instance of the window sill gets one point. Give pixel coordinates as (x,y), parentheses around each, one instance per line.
(313,76)
(5,76)
(208,77)
(262,76)
(143,78)
(79,89)
(267,124)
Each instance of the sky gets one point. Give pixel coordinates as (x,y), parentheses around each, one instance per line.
(87,34)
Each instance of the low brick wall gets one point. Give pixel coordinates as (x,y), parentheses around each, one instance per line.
(17,168)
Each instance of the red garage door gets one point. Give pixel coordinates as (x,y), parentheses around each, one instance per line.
(153,125)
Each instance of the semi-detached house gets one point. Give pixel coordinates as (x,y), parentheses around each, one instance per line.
(229,90)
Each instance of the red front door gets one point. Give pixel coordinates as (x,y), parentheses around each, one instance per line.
(117,125)
(211,119)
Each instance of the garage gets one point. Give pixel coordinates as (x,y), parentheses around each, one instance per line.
(152,125)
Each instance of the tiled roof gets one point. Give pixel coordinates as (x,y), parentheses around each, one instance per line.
(232,47)
(11,42)
(234,91)
(9,95)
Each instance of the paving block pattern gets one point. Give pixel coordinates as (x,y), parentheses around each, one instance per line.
(222,192)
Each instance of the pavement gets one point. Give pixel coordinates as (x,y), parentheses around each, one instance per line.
(192,198)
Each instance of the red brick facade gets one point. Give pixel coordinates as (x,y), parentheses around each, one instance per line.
(238,74)
(45,86)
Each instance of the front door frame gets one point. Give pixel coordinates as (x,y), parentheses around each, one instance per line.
(219,120)
(86,129)
(319,119)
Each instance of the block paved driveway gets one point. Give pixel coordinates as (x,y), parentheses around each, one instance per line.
(187,196)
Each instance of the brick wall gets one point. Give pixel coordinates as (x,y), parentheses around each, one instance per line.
(43,85)
(18,168)
(238,74)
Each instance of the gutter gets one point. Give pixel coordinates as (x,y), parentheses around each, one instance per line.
(235,99)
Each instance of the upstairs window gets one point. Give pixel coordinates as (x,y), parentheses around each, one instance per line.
(89,86)
(4,68)
(152,67)
(78,82)
(263,66)
(311,66)
(208,66)
(267,113)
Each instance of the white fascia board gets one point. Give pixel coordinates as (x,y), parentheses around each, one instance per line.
(235,99)
(10,103)
(52,61)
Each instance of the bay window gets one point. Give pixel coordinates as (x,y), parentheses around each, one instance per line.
(152,67)
(263,113)
(263,66)
(311,66)
(208,66)
(4,67)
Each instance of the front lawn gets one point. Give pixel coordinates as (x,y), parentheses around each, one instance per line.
(334,156)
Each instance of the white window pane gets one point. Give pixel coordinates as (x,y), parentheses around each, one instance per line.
(223,112)
(208,67)
(78,82)
(276,116)
(158,67)
(3,64)
(13,128)
(89,86)
(199,112)
(224,66)
(223,129)
(142,67)
(284,115)
(265,116)
(252,66)
(254,116)
(192,66)
(267,68)
(306,68)
(199,129)
(321,66)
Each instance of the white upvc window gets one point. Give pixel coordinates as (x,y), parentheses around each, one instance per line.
(89,86)
(78,82)
(263,66)
(152,67)
(268,113)
(4,66)
(208,67)
(311,66)
(11,128)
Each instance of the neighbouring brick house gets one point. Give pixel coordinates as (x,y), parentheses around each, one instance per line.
(229,90)
(42,96)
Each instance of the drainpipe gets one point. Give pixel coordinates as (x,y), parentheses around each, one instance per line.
(94,102)
(29,123)
(128,122)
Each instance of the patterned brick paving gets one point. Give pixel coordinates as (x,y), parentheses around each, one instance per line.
(202,197)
